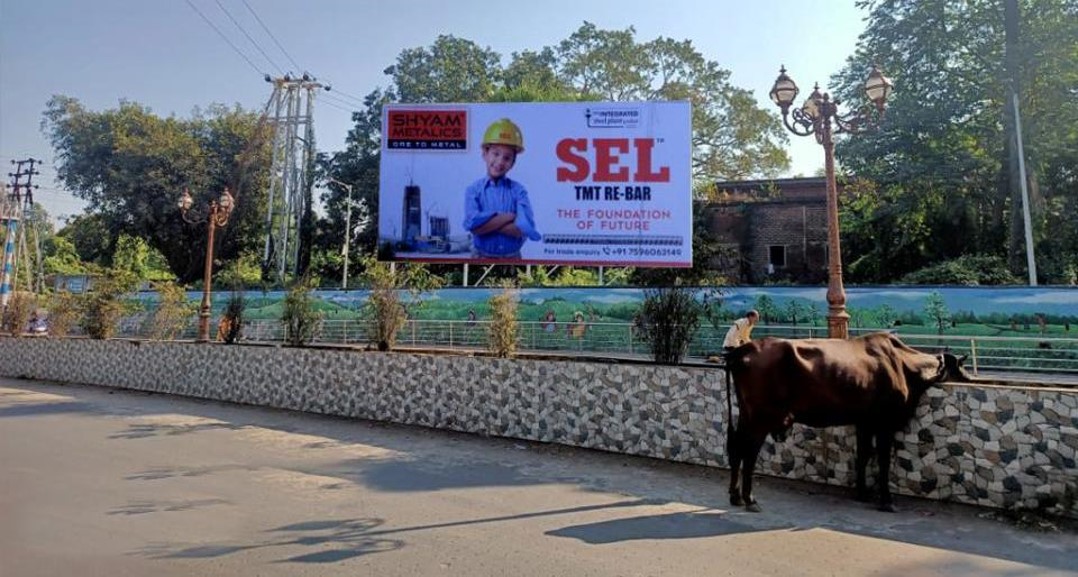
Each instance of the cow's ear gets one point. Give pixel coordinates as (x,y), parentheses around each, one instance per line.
(962,359)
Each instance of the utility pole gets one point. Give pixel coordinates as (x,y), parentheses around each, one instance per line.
(13,210)
(289,212)
(347,230)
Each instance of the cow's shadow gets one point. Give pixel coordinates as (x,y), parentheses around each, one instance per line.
(681,525)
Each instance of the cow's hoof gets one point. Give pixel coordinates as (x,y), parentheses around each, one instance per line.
(886,507)
(864,496)
(754,507)
(736,500)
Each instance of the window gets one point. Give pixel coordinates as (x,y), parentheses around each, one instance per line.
(776,255)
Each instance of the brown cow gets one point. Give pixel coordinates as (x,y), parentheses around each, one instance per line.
(873,381)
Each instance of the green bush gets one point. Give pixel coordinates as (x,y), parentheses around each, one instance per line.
(668,319)
(970,270)
(300,317)
(174,312)
(385,311)
(103,307)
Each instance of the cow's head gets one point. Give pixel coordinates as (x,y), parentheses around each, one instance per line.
(951,369)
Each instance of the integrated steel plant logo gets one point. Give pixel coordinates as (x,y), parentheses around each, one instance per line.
(435,129)
(613,117)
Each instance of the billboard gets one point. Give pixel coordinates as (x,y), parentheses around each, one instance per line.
(590,183)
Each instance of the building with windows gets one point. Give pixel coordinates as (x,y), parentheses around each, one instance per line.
(770,230)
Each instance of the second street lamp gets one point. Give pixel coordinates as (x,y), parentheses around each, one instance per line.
(347,230)
(819,116)
(215,215)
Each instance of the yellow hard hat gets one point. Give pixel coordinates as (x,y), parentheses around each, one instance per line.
(504,131)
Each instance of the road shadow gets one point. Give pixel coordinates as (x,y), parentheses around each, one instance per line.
(686,525)
(44,409)
(336,540)
(148,430)
(145,507)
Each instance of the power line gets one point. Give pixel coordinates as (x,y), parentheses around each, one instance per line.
(331,101)
(274,38)
(244,31)
(358,101)
(223,37)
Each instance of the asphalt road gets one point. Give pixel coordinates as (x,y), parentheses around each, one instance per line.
(113,483)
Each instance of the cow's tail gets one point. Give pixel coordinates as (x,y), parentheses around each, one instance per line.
(729,404)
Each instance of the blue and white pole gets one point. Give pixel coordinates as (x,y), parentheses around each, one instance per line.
(9,261)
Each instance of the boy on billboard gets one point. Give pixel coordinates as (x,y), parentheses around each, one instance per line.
(496,208)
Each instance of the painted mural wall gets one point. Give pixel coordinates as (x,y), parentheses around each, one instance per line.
(978,311)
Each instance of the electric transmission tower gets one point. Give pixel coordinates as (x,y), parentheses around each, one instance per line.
(14,208)
(289,216)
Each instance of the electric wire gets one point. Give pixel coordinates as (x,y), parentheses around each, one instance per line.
(338,106)
(330,99)
(248,36)
(274,38)
(358,100)
(225,38)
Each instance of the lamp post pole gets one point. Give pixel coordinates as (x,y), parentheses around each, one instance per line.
(216,215)
(347,230)
(819,117)
(838,320)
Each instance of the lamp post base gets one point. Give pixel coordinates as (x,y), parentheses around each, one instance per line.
(838,324)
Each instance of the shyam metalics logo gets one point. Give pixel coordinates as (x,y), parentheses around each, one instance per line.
(427,130)
(613,117)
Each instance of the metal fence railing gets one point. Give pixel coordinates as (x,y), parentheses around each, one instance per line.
(1034,353)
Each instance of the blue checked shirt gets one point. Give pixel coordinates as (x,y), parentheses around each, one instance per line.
(485,198)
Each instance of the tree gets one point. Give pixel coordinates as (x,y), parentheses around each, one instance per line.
(886,315)
(733,138)
(795,310)
(131,165)
(944,164)
(936,311)
(765,305)
(135,256)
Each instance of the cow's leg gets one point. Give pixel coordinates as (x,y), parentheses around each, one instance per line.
(864,452)
(734,451)
(884,441)
(751,441)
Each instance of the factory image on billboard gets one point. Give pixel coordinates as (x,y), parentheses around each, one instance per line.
(428,231)
(537,183)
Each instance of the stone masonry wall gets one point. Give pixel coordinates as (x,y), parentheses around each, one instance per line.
(999,446)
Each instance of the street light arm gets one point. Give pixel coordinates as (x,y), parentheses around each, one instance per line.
(858,121)
(803,124)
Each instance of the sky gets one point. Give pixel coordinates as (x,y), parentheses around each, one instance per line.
(164,55)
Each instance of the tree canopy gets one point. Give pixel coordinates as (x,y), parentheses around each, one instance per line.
(131,165)
(941,179)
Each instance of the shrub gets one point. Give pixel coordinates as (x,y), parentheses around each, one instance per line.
(174,312)
(20,305)
(385,311)
(234,317)
(669,317)
(504,336)
(299,316)
(970,270)
(103,307)
(64,312)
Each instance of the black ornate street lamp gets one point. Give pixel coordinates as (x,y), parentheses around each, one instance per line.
(815,117)
(215,215)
